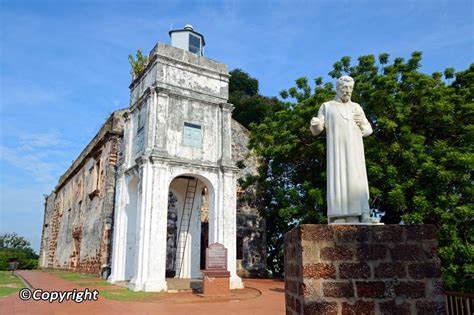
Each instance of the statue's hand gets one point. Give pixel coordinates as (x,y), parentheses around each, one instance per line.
(315,121)
(358,118)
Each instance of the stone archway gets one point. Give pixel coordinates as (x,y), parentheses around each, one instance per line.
(187,217)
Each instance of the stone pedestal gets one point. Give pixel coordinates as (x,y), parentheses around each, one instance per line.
(215,282)
(384,269)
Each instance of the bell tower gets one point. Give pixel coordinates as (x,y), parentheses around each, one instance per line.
(178,131)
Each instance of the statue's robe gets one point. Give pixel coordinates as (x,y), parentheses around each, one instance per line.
(347,186)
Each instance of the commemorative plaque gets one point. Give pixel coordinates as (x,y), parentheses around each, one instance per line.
(216,257)
(216,276)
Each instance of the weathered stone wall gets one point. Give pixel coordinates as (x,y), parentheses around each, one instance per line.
(251,237)
(179,87)
(78,217)
(78,221)
(387,269)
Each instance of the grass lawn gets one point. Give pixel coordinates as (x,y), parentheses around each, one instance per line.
(95,284)
(76,277)
(124,294)
(9,284)
(114,293)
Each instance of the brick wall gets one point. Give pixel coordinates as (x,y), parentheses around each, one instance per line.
(216,282)
(385,269)
(78,220)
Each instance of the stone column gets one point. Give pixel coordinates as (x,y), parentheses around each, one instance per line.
(214,192)
(229,224)
(150,127)
(119,236)
(119,240)
(156,264)
(161,125)
(226,112)
(128,141)
(144,208)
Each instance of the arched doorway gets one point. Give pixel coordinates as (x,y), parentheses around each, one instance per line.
(187,226)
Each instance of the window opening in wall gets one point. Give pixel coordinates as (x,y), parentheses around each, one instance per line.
(98,167)
(192,135)
(194,44)
(204,243)
(95,175)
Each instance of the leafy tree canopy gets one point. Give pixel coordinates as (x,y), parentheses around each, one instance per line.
(13,241)
(419,159)
(242,83)
(14,246)
(250,107)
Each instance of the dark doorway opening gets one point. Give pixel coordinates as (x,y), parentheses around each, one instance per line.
(204,243)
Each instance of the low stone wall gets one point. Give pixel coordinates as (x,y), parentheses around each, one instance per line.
(385,269)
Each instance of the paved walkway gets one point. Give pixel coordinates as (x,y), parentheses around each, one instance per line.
(272,301)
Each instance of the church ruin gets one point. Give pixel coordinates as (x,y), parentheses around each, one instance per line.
(158,182)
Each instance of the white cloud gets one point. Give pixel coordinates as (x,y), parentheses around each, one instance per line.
(39,140)
(35,154)
(31,162)
(26,94)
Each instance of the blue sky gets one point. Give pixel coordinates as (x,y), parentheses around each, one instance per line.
(64,67)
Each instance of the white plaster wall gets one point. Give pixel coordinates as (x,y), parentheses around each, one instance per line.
(183,72)
(181,111)
(125,227)
(179,75)
(144,82)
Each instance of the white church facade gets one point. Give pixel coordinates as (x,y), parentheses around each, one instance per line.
(174,179)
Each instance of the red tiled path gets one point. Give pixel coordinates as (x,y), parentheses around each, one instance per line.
(272,301)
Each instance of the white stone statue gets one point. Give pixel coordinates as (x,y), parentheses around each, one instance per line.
(347,187)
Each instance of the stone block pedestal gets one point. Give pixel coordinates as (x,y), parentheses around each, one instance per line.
(355,269)
(215,282)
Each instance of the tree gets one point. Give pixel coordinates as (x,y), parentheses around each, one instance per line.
(249,106)
(242,83)
(14,246)
(420,158)
(138,65)
(13,241)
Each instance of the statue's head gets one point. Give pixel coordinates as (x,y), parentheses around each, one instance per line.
(344,86)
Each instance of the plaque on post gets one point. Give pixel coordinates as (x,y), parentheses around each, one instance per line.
(216,276)
(216,257)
